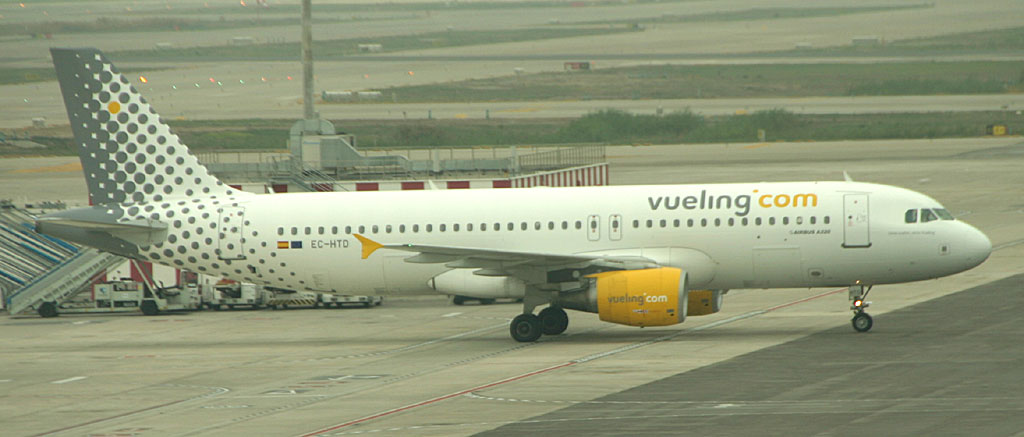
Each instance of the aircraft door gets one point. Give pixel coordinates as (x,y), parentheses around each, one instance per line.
(615,227)
(232,219)
(856,229)
(593,227)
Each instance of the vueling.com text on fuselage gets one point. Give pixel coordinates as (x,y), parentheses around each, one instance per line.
(741,203)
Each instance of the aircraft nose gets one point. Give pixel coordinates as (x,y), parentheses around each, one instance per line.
(977,246)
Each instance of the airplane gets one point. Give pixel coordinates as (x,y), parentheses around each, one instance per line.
(635,255)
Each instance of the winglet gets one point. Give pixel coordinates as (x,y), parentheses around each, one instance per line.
(369,246)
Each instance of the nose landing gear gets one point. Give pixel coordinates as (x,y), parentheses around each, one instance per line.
(862,321)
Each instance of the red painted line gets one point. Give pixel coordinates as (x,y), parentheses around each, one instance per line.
(438,399)
(806,299)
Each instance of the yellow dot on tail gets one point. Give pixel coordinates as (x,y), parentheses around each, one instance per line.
(114,107)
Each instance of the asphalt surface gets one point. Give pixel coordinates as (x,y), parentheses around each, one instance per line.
(952,365)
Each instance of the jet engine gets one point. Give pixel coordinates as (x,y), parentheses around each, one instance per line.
(648,297)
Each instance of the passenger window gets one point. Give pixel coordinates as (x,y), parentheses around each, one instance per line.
(771,221)
(511,226)
(943,214)
(362,229)
(799,220)
(401,229)
(579,224)
(927,216)
(636,224)
(675,223)
(320,230)
(689,223)
(442,227)
(308,230)
(376,229)
(551,226)
(430,228)
(732,221)
(280,231)
(415,228)
(536,226)
(334,230)
(650,223)
(910,216)
(663,223)
(387,229)
(745,221)
(813,220)
(522,226)
(757,221)
(703,222)
(565,225)
(718,222)
(497,226)
(827,220)
(483,226)
(455,227)
(295,231)
(785,220)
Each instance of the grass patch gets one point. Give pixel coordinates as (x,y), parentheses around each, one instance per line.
(998,41)
(761,14)
(718,81)
(608,126)
(326,50)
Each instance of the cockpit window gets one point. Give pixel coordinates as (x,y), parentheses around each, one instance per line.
(910,216)
(943,214)
(927,216)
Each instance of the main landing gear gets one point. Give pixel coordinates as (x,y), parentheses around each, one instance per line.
(862,321)
(528,327)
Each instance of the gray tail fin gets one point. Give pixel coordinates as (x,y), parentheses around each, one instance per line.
(128,153)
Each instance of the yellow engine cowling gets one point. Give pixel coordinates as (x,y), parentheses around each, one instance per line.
(704,302)
(649,297)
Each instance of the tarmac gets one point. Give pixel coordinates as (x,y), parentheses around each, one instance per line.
(939,359)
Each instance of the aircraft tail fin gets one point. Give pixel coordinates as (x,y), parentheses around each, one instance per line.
(128,153)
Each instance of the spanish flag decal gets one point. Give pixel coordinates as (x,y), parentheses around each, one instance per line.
(289,245)
(282,245)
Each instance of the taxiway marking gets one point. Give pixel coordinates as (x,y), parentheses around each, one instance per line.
(72,379)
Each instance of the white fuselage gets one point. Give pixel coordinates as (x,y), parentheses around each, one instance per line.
(761,235)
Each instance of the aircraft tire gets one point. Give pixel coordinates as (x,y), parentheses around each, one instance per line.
(47,309)
(487,301)
(862,322)
(526,328)
(554,320)
(458,300)
(149,308)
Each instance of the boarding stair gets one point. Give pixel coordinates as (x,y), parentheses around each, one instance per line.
(36,268)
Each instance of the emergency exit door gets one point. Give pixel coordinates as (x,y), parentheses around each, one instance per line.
(593,227)
(615,227)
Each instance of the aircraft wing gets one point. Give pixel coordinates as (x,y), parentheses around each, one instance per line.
(494,262)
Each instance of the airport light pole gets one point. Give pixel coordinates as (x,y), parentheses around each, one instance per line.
(307,65)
